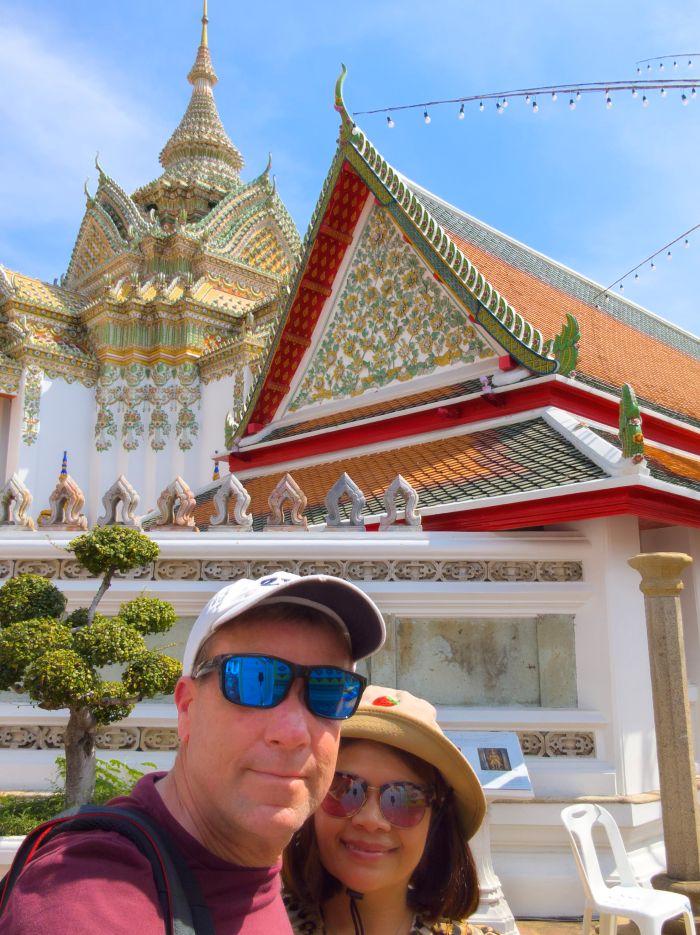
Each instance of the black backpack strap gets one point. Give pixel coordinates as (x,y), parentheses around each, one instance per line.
(183,906)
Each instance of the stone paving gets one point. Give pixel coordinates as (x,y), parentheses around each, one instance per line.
(558,927)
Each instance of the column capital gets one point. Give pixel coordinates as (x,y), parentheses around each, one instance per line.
(661,572)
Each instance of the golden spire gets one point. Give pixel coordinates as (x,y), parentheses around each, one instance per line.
(205,19)
(203,68)
(200,136)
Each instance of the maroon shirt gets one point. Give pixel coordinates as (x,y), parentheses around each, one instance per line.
(95,882)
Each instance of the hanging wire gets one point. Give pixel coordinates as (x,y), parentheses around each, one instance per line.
(573,90)
(650,259)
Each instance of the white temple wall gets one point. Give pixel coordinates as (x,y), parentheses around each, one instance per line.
(612,654)
(66,419)
(215,401)
(7,445)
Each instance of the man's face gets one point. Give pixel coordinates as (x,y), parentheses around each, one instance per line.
(255,775)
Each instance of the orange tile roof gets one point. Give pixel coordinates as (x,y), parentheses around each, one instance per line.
(528,455)
(610,350)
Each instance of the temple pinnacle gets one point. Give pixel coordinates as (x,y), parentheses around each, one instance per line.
(205,19)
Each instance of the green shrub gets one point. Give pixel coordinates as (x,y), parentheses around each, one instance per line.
(23,642)
(28,596)
(107,641)
(108,548)
(148,614)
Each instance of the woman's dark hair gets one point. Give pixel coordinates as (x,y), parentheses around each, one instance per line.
(444,884)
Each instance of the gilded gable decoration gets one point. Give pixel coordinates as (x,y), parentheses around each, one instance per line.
(392,322)
(120,494)
(231,488)
(15,500)
(345,487)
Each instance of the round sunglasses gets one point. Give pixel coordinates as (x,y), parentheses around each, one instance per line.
(255,680)
(402,803)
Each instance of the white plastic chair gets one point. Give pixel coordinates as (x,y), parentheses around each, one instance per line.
(647,907)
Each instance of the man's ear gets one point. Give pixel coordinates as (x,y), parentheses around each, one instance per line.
(185,694)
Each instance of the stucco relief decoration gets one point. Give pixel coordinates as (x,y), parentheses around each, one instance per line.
(345,487)
(400,490)
(392,322)
(287,495)
(15,500)
(229,488)
(160,401)
(32,402)
(177,504)
(65,503)
(121,493)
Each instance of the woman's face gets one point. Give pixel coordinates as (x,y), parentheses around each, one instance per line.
(365,852)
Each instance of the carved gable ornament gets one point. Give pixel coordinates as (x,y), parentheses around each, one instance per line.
(345,486)
(15,500)
(65,503)
(398,489)
(176,504)
(287,494)
(121,493)
(229,488)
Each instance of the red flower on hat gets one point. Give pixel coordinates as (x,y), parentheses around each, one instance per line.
(384,701)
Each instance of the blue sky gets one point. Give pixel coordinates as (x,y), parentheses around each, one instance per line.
(596,189)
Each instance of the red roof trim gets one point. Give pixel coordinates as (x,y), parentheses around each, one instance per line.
(573,397)
(334,235)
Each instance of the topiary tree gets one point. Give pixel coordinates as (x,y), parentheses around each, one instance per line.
(56,659)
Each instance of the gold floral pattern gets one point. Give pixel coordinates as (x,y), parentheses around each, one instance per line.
(393,321)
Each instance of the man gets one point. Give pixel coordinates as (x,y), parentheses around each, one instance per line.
(268,675)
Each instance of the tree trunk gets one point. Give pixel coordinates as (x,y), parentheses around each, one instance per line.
(80,756)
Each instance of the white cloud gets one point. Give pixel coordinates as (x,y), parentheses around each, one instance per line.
(61,108)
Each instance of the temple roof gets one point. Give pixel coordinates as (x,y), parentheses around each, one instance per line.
(606,344)
(485,467)
(621,342)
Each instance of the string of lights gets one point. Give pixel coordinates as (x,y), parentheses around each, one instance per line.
(574,92)
(662,59)
(650,260)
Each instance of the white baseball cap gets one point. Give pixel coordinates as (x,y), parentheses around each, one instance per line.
(356,613)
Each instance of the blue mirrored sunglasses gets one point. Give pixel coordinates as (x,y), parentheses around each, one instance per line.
(259,681)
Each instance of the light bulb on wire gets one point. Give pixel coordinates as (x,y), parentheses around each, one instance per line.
(572,104)
(481,108)
(684,100)
(663,92)
(645,101)
(426,116)
(653,266)
(635,93)
(499,107)
(535,107)
(389,121)
(608,102)
(460,115)
(554,95)
(686,242)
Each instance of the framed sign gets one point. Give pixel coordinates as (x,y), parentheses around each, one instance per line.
(497,760)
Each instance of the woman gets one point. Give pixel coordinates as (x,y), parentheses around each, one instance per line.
(387,853)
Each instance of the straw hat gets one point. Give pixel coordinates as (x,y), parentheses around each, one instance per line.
(399,719)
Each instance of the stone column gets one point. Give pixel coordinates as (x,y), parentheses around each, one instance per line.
(661,586)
